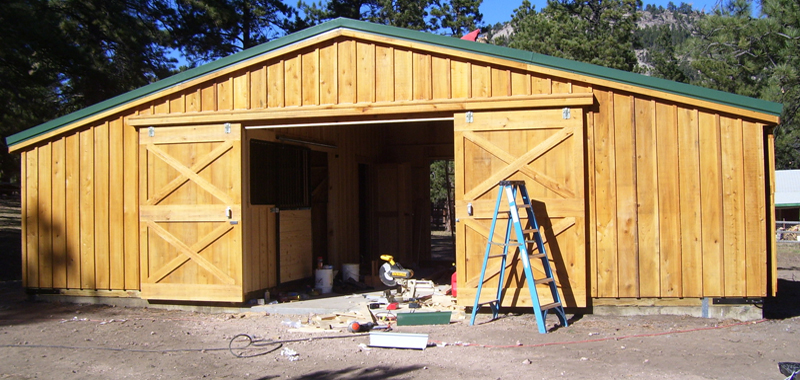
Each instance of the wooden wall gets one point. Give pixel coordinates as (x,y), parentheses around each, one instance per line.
(80,209)
(678,200)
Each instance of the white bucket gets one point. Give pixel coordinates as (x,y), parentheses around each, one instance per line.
(324,280)
(350,271)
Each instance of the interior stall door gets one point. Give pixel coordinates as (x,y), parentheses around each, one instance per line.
(190,213)
(545,149)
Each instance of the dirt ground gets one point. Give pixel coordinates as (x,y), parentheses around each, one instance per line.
(65,341)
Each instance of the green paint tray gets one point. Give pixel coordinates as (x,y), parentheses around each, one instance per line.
(424,318)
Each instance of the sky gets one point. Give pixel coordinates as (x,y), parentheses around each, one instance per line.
(495,11)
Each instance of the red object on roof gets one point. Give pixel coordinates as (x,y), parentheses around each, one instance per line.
(472,36)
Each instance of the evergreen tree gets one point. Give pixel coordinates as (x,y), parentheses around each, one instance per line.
(593,31)
(449,17)
(783,17)
(205,30)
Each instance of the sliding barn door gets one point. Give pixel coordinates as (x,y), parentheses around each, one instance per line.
(545,149)
(190,210)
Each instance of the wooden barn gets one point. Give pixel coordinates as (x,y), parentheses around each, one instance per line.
(233,177)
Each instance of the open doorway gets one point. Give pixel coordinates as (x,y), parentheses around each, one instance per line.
(442,195)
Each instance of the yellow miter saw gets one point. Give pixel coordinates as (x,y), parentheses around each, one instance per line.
(393,274)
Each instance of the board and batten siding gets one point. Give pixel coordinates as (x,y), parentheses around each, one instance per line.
(679,200)
(80,209)
(676,190)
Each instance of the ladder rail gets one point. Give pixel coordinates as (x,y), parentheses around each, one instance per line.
(495,310)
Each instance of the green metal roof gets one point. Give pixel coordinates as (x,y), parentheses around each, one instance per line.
(560,64)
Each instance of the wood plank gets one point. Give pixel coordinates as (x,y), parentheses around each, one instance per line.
(627,202)
(561,86)
(241,90)
(87,206)
(501,82)
(755,215)
(101,210)
(484,208)
(293,81)
(100,293)
(328,78)
(668,200)
(195,134)
(198,212)
(733,207)
(520,83)
(224,94)
(310,77)
(481,81)
(193,292)
(541,84)
(45,217)
(59,216)
(403,75)
(23,182)
(177,103)
(208,97)
(193,101)
(258,87)
(346,72)
(384,74)
(443,106)
(365,72)
(116,211)
(691,227)
(422,77)
(276,90)
(460,79)
(647,195)
(160,106)
(711,199)
(773,254)
(605,197)
(31,220)
(591,202)
(440,69)
(130,194)
(520,120)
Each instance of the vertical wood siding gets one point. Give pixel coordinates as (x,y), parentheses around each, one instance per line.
(680,200)
(676,195)
(81,210)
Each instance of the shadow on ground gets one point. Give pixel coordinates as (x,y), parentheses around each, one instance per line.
(368,373)
(786,304)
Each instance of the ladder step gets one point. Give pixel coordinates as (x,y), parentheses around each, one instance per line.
(510,244)
(494,256)
(537,256)
(529,231)
(551,306)
(487,302)
(546,280)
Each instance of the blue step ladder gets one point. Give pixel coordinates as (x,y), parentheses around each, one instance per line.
(534,236)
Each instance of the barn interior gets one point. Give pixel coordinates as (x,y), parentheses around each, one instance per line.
(362,188)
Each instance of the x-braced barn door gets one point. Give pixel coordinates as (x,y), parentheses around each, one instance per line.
(190,210)
(543,147)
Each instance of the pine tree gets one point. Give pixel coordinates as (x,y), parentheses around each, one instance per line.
(593,31)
